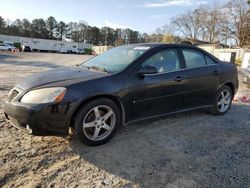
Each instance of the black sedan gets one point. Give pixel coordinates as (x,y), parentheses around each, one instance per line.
(122,85)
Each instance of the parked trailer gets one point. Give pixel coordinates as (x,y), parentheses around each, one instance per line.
(35,44)
(52,45)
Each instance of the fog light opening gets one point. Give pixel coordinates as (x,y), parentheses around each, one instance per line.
(29,129)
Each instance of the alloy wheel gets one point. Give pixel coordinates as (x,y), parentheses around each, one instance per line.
(99,122)
(224,101)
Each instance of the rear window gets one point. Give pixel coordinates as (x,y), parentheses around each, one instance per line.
(193,58)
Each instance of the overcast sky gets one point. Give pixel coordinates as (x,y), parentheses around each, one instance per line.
(141,15)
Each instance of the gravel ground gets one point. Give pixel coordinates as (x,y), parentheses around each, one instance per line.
(193,149)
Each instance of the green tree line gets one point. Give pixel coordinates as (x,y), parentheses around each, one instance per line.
(77,32)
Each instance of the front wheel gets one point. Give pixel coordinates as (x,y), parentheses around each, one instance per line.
(97,122)
(222,101)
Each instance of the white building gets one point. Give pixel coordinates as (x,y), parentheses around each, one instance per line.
(100,49)
(246,61)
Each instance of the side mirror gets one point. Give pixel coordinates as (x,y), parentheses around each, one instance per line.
(147,69)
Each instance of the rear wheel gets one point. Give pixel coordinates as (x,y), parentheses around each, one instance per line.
(97,122)
(222,101)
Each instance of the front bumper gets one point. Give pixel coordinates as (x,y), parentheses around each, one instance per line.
(42,119)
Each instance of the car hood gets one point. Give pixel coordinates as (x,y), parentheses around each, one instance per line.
(67,74)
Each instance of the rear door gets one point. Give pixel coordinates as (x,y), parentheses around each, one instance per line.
(204,76)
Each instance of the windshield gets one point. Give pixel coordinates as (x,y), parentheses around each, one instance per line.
(116,59)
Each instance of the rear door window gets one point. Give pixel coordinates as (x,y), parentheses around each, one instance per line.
(209,60)
(193,58)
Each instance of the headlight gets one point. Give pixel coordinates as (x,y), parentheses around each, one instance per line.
(45,95)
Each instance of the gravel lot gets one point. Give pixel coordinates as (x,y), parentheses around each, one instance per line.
(194,149)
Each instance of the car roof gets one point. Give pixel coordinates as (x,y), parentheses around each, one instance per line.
(154,45)
(174,45)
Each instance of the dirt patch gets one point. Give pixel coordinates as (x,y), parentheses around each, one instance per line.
(193,149)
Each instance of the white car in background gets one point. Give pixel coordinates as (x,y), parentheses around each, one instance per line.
(80,51)
(63,51)
(6,47)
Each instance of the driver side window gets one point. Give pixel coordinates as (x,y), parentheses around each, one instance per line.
(164,61)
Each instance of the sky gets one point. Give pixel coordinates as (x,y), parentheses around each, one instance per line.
(140,15)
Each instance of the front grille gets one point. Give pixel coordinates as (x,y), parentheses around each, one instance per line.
(13,93)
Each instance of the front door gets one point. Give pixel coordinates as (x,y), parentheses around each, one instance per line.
(160,93)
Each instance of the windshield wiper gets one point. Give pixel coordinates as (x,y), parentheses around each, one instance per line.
(96,68)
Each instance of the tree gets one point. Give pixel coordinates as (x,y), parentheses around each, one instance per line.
(14,28)
(134,36)
(169,38)
(238,21)
(189,24)
(248,26)
(82,31)
(94,35)
(119,42)
(168,28)
(51,25)
(26,30)
(73,32)
(130,36)
(2,25)
(108,36)
(61,30)
(156,38)
(145,37)
(211,18)
(38,29)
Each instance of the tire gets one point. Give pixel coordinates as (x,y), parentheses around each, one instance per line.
(96,123)
(217,108)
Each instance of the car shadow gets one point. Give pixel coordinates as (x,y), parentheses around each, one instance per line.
(183,150)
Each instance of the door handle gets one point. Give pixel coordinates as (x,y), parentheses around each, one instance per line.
(179,79)
(216,72)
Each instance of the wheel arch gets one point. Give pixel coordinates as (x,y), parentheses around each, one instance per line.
(231,85)
(115,99)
